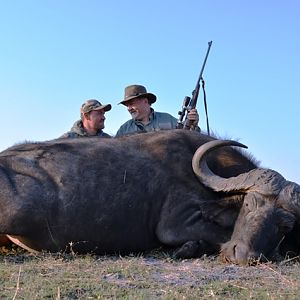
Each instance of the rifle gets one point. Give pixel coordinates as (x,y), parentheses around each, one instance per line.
(189,103)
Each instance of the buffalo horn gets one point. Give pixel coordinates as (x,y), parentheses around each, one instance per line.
(265,181)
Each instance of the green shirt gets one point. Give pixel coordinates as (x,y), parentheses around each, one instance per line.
(157,121)
(78,131)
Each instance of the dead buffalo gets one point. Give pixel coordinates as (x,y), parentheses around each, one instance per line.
(178,189)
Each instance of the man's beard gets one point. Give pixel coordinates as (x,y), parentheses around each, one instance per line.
(134,115)
(100,126)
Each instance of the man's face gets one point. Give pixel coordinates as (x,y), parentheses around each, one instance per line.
(96,119)
(139,108)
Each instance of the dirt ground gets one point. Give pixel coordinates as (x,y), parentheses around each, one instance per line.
(149,276)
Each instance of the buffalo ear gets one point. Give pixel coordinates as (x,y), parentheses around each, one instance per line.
(289,198)
(286,221)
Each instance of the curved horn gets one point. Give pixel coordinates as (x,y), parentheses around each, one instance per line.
(262,180)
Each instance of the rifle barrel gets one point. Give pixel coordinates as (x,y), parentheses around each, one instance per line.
(203,65)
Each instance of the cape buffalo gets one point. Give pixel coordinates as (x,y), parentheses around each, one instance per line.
(178,189)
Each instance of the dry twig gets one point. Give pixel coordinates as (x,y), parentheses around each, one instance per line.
(18,284)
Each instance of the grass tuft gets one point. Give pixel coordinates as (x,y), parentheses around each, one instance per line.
(144,276)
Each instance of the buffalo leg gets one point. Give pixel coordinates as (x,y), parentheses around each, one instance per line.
(190,228)
(193,249)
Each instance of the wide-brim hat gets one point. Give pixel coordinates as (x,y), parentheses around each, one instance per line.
(137,91)
(93,104)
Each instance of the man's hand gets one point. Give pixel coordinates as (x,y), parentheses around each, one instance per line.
(192,118)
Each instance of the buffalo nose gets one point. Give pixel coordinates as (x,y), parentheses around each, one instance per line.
(239,253)
(243,255)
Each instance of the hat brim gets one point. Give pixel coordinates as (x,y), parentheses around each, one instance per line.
(106,107)
(151,97)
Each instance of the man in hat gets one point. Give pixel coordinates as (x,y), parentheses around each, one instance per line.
(144,119)
(91,120)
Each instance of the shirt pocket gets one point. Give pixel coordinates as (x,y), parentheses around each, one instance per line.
(165,126)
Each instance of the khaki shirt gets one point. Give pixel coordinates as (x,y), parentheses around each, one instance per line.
(157,121)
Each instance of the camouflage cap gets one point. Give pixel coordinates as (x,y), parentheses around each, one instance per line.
(93,104)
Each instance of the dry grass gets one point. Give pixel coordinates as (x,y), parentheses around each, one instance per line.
(150,276)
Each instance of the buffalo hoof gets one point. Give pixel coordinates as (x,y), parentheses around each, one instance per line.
(19,242)
(189,249)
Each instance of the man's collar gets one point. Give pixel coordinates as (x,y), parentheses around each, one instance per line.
(151,117)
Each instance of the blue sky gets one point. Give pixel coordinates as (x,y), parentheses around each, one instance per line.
(56,54)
